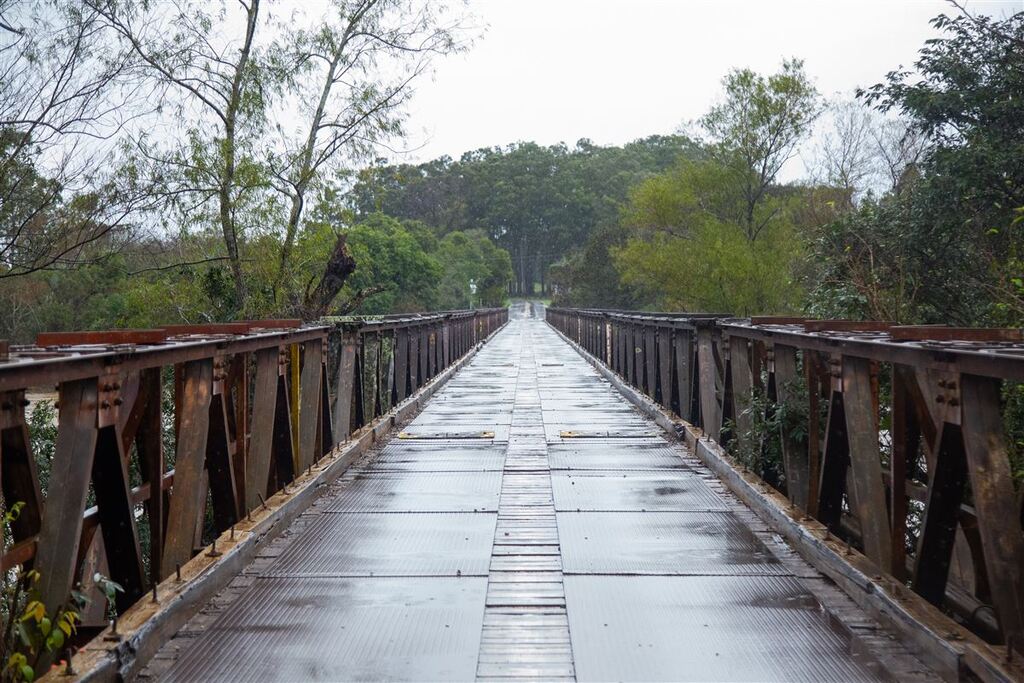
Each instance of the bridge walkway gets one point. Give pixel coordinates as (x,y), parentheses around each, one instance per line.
(529,523)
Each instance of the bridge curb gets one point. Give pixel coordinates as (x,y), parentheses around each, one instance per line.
(936,639)
(145,626)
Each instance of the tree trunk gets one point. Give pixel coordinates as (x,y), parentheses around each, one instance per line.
(227,178)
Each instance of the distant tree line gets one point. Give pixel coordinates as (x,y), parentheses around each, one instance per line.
(185,161)
(539,203)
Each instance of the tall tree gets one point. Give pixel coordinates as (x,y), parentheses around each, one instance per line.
(340,68)
(754,131)
(201,58)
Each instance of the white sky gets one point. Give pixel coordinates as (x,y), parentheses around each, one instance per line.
(617,70)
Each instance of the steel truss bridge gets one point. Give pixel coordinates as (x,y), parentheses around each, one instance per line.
(524,494)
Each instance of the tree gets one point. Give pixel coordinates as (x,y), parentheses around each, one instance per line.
(205,70)
(62,109)
(390,271)
(687,250)
(846,154)
(469,259)
(538,203)
(966,192)
(755,130)
(341,67)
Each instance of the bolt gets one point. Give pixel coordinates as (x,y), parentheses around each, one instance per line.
(940,399)
(942,383)
(69,669)
(263,503)
(213,550)
(154,594)
(177,572)
(24,403)
(118,401)
(104,404)
(232,537)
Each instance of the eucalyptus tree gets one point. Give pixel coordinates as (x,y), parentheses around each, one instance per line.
(202,63)
(756,128)
(351,75)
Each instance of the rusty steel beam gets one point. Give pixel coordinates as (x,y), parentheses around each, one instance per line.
(828,375)
(229,442)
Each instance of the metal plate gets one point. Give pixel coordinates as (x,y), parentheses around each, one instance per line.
(703,629)
(457,430)
(633,491)
(417,492)
(343,630)
(591,455)
(457,457)
(374,545)
(671,543)
(589,430)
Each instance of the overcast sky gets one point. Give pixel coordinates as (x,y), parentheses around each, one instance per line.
(617,70)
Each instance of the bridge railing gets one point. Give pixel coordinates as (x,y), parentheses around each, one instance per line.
(894,437)
(166,438)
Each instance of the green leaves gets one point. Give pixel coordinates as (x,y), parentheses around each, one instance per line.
(109,588)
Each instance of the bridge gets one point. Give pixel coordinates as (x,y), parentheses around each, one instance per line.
(548,494)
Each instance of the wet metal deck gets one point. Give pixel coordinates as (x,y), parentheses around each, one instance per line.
(607,554)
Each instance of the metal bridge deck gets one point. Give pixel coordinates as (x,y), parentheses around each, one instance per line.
(609,554)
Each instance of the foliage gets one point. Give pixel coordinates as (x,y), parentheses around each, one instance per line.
(964,206)
(29,631)
(109,589)
(887,260)
(755,130)
(588,278)
(538,203)
(469,259)
(42,429)
(688,250)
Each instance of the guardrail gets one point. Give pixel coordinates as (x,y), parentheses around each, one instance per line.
(892,436)
(166,438)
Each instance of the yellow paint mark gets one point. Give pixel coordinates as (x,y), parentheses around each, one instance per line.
(569,434)
(296,456)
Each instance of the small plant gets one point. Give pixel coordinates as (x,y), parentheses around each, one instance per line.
(759,448)
(28,630)
(110,589)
